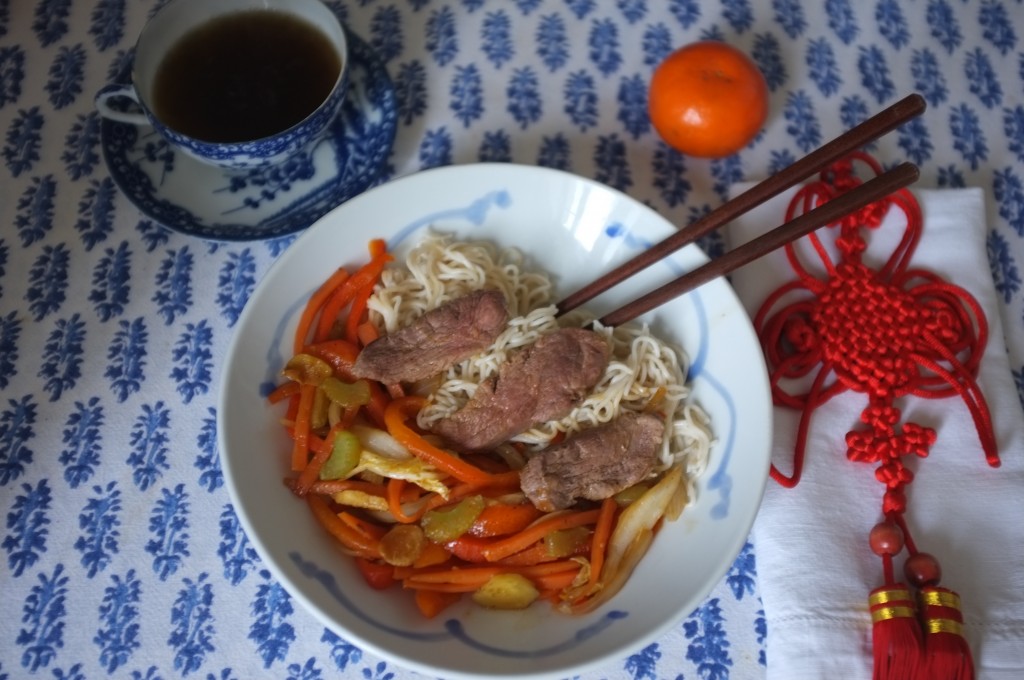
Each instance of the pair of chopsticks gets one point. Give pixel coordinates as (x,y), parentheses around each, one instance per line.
(828,213)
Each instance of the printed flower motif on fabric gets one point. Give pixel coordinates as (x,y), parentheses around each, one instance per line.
(888,334)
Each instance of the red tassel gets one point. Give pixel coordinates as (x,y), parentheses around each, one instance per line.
(895,634)
(947,656)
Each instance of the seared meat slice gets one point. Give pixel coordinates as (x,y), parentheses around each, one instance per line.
(594,464)
(435,341)
(542,382)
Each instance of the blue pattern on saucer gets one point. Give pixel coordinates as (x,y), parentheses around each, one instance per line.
(202,200)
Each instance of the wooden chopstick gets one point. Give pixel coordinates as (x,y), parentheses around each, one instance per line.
(854,138)
(827,213)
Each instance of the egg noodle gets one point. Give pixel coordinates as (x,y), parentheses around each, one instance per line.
(644,373)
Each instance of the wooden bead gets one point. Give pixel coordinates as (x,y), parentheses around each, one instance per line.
(886,539)
(922,569)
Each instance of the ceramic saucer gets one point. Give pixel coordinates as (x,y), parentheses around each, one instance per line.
(201,200)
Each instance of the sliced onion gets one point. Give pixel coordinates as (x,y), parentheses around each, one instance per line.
(410,509)
(513,458)
(380,442)
(680,499)
(514,498)
(610,587)
(632,536)
(412,470)
(360,499)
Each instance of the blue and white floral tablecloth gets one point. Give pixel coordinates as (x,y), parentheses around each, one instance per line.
(120,555)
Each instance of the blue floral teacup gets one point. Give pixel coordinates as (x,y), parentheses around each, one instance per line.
(239,84)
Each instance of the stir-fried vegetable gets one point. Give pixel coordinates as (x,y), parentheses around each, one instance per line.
(447,524)
(415,514)
(345,455)
(506,591)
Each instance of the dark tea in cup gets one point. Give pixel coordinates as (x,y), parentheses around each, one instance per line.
(239,84)
(245,76)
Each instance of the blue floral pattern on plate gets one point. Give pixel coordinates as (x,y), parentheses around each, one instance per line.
(202,200)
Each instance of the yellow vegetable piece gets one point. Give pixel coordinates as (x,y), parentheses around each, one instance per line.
(633,493)
(346,394)
(412,470)
(318,417)
(402,545)
(447,524)
(566,542)
(506,591)
(307,369)
(344,457)
(360,499)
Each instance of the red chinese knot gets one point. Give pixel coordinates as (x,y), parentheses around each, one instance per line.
(885,333)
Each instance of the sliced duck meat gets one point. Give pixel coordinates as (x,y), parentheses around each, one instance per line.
(436,340)
(541,382)
(595,464)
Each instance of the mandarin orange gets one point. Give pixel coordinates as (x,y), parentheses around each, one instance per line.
(708,99)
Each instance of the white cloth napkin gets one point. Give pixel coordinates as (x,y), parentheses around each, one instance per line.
(815,568)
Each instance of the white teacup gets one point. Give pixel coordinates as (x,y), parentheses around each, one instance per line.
(230,135)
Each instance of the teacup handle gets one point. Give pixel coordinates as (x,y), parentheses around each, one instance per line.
(116,91)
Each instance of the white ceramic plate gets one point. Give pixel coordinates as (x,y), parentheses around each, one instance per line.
(575,229)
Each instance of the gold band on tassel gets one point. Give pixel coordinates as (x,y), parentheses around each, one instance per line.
(886,613)
(894,595)
(940,598)
(944,626)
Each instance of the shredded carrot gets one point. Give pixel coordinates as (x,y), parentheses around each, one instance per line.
(300,443)
(500,519)
(356,312)
(468,579)
(365,277)
(433,555)
(378,405)
(293,409)
(325,291)
(331,312)
(481,573)
(283,391)
(377,575)
(431,602)
(350,538)
(394,495)
(395,416)
(369,530)
(546,569)
(316,445)
(329,487)
(340,354)
(377,247)
(510,545)
(535,554)
(348,416)
(461,587)
(367,333)
(469,548)
(499,484)
(310,473)
(599,544)
(558,581)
